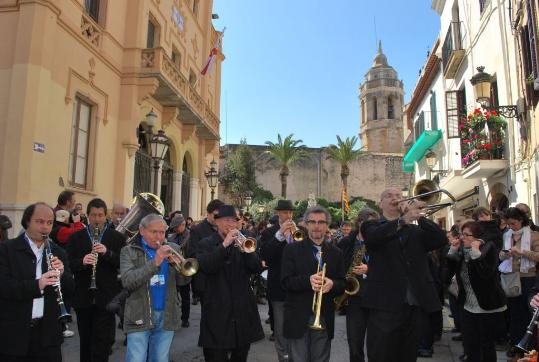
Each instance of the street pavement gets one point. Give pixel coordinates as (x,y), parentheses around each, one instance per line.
(185,344)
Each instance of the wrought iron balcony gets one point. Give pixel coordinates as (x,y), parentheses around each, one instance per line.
(452,50)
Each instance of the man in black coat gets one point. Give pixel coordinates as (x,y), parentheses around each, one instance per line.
(203,230)
(95,324)
(230,321)
(29,310)
(400,287)
(301,279)
(273,241)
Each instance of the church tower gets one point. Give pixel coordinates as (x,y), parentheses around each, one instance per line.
(381,100)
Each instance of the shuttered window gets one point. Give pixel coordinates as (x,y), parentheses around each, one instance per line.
(456,108)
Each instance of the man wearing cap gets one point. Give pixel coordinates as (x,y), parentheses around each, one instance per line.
(230,321)
(273,241)
(180,235)
(199,232)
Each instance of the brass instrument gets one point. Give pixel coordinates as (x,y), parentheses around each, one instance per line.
(428,192)
(297,233)
(143,204)
(246,244)
(185,266)
(351,283)
(64,315)
(317,298)
(95,241)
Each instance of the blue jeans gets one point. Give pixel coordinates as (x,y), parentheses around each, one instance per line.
(152,345)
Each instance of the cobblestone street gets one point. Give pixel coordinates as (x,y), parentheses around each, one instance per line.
(185,348)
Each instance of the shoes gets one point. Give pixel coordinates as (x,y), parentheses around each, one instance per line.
(195,301)
(272,337)
(457,338)
(424,353)
(185,324)
(68,333)
(463,357)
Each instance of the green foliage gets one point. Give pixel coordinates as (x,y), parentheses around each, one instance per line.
(344,151)
(286,151)
(238,177)
(262,195)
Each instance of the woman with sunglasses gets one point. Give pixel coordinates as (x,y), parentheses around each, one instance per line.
(520,254)
(474,262)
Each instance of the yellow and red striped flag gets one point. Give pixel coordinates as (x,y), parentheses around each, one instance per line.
(345,205)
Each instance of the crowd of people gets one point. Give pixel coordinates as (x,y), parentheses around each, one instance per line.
(390,273)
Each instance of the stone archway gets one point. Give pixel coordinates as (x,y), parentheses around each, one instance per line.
(142,177)
(497,197)
(186,183)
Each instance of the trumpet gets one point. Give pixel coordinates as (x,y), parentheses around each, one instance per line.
(185,266)
(95,241)
(428,192)
(297,233)
(317,298)
(64,315)
(246,244)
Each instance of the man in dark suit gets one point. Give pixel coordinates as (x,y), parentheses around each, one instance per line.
(95,324)
(29,310)
(230,321)
(273,241)
(203,230)
(300,279)
(399,287)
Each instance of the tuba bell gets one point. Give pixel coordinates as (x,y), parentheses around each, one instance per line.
(143,204)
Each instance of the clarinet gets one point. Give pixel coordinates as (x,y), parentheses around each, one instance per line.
(64,315)
(95,240)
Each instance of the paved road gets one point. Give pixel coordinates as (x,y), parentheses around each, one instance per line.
(185,349)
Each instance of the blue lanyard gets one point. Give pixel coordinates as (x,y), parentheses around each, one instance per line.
(100,236)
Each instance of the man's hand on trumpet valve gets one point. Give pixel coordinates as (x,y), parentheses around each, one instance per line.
(412,210)
(162,253)
(316,282)
(231,238)
(286,228)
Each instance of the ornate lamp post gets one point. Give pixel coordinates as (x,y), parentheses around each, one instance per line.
(159,146)
(481,86)
(213,177)
(430,158)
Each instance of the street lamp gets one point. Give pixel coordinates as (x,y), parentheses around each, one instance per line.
(430,158)
(481,82)
(213,177)
(248,199)
(159,147)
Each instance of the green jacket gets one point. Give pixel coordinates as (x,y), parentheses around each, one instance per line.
(137,270)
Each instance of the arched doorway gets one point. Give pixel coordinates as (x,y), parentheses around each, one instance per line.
(497,196)
(142,178)
(167,179)
(186,184)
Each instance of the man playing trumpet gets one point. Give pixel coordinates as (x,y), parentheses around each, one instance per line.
(152,313)
(399,288)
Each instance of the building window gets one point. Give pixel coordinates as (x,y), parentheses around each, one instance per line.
(482,5)
(419,125)
(374,108)
(91,8)
(433,112)
(80,139)
(176,58)
(192,78)
(455,105)
(390,109)
(153,34)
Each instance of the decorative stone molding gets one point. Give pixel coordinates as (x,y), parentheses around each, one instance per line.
(188,132)
(90,30)
(76,83)
(131,148)
(169,115)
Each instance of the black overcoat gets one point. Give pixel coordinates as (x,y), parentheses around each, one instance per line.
(230,316)
(199,232)
(272,253)
(106,274)
(298,265)
(18,288)
(398,259)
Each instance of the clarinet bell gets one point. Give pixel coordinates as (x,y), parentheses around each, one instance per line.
(93,286)
(527,343)
(64,317)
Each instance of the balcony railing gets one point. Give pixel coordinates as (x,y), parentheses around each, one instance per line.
(175,90)
(452,50)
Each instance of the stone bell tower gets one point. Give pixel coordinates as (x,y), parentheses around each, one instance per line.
(381,100)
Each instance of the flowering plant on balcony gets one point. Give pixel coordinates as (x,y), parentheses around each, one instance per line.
(482,136)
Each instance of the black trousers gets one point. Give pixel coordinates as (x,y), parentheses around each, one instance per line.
(431,327)
(36,352)
(479,335)
(185,295)
(356,326)
(393,335)
(519,309)
(95,326)
(227,355)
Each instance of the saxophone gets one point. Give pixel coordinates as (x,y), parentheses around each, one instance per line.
(95,240)
(352,284)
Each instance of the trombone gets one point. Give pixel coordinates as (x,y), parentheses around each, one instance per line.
(246,244)
(428,191)
(317,298)
(185,266)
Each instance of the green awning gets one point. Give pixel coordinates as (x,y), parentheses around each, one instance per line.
(420,147)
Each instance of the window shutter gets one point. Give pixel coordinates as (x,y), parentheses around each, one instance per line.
(433,112)
(453,108)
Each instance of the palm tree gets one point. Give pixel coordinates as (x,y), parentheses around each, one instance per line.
(344,153)
(286,152)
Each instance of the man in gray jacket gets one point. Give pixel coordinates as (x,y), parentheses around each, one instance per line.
(152,309)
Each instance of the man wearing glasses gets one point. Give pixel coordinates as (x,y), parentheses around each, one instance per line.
(400,288)
(204,229)
(300,280)
(30,329)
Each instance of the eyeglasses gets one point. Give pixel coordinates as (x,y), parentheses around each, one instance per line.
(465,234)
(319,222)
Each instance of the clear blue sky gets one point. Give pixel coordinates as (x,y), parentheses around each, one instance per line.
(294,66)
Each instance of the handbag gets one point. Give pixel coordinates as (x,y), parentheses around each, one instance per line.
(453,288)
(511,284)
